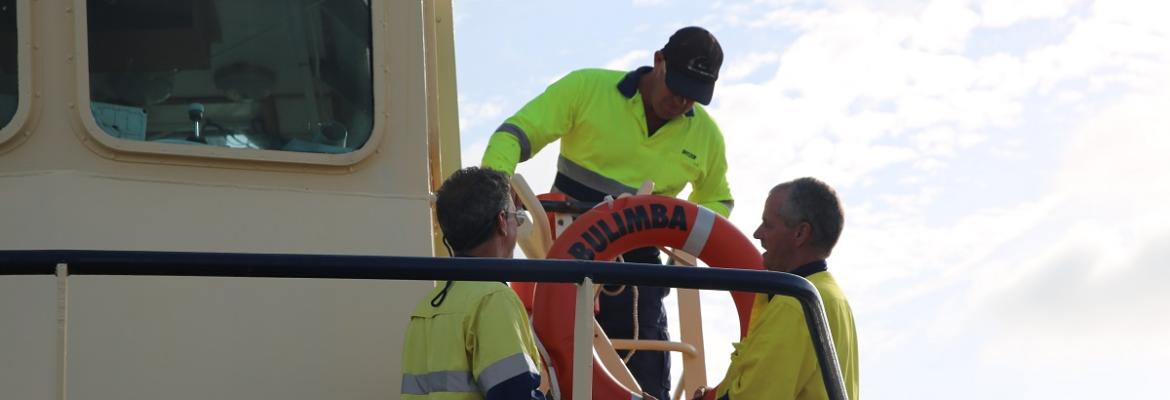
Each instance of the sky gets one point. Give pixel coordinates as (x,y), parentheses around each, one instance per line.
(1002,165)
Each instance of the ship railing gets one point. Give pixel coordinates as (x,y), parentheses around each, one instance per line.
(584,274)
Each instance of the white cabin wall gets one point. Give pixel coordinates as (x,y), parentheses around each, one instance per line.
(201,338)
(227,338)
(28,338)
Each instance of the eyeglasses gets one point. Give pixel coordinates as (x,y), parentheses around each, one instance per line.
(519,215)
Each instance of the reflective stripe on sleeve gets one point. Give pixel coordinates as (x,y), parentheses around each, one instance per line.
(729,204)
(525,144)
(442,381)
(592,179)
(505,369)
(553,385)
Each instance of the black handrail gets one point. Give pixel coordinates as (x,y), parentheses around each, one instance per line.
(86,262)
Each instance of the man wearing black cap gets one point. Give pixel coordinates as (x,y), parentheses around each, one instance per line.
(618,129)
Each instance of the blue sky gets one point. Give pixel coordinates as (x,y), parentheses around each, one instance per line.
(1002,165)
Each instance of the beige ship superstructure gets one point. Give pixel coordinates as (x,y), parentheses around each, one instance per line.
(233,126)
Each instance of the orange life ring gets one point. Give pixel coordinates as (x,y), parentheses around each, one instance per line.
(611,229)
(525,290)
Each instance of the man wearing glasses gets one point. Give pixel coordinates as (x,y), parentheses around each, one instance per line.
(472,340)
(618,129)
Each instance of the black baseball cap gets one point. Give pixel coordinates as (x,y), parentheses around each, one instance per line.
(693,58)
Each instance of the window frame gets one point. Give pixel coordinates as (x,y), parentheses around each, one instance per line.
(18,130)
(112,147)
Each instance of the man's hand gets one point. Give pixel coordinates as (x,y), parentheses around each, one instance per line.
(700,392)
(647,396)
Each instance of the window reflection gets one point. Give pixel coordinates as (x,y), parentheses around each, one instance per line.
(262,74)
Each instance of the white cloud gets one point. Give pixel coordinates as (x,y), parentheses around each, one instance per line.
(478,118)
(1088,299)
(472,153)
(648,3)
(778,18)
(820,127)
(631,60)
(944,142)
(1003,13)
(944,26)
(1123,152)
(735,70)
(1077,290)
(857,54)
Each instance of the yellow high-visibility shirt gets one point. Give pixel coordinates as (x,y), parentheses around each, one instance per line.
(477,344)
(606,148)
(776,359)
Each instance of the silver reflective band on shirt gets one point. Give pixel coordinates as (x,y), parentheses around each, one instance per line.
(525,144)
(505,369)
(442,381)
(592,179)
(729,204)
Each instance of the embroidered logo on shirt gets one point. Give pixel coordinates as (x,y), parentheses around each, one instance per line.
(689,154)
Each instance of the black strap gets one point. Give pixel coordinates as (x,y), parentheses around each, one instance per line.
(435,302)
(442,295)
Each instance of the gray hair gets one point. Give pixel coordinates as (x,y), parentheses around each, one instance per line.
(467,205)
(812,201)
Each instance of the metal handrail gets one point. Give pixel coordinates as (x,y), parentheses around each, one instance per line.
(95,262)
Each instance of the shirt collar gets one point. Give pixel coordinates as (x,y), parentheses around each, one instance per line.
(629,85)
(804,271)
(807,270)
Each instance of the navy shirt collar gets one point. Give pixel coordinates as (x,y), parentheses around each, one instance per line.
(807,270)
(804,271)
(629,85)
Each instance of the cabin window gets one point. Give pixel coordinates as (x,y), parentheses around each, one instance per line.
(293,75)
(8,77)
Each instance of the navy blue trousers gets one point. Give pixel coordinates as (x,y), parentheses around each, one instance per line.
(650,368)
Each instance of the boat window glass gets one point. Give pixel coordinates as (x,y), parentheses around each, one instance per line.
(8,78)
(292,75)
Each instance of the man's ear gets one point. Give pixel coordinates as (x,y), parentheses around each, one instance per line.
(501,224)
(803,234)
(658,57)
